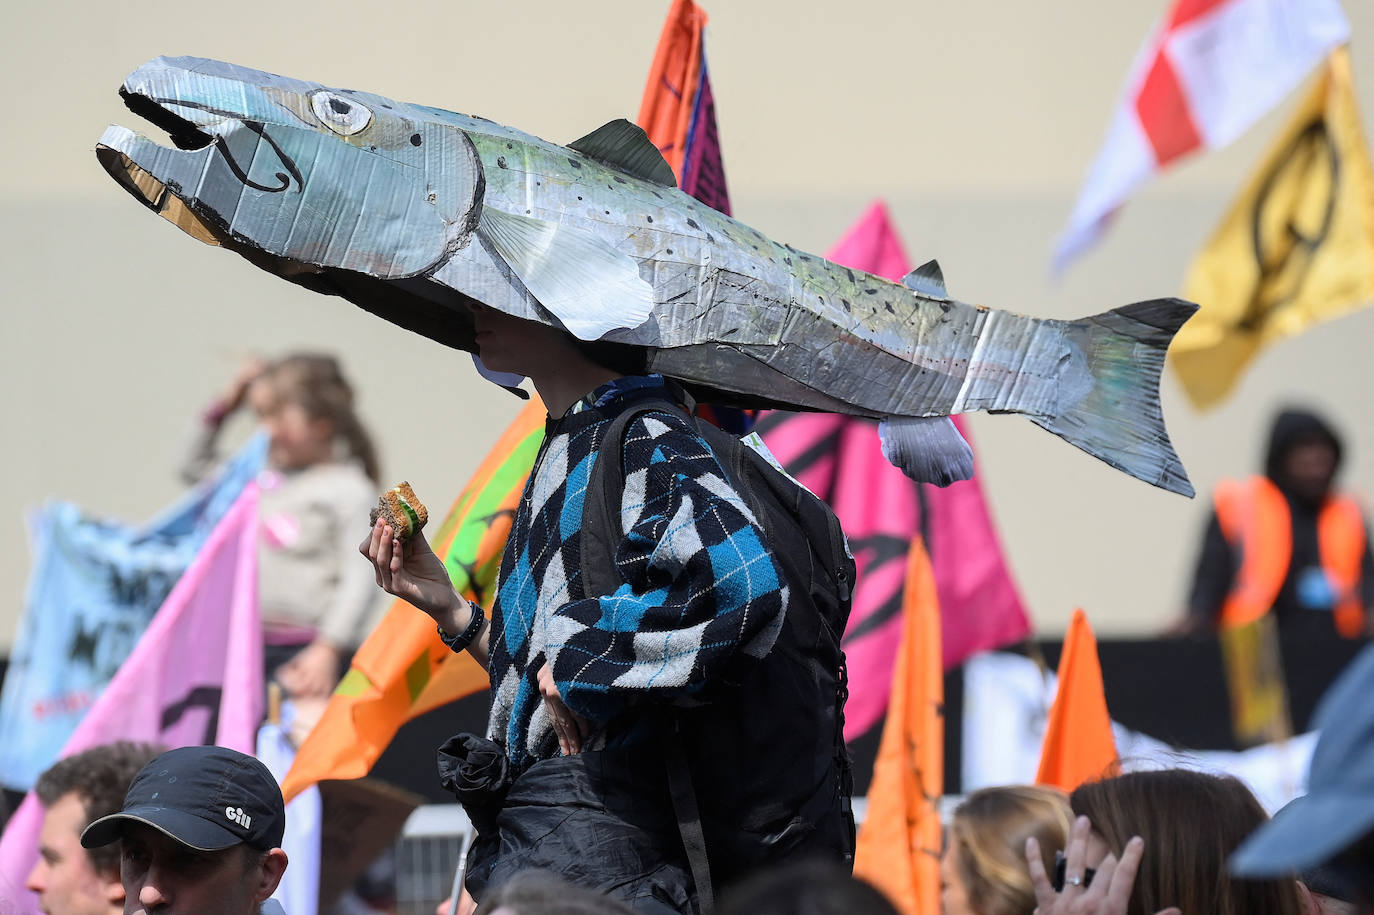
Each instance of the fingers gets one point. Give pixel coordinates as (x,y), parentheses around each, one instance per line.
(571,730)
(567,727)
(371,547)
(584,727)
(383,548)
(385,542)
(1040,881)
(1076,856)
(568,740)
(1121,878)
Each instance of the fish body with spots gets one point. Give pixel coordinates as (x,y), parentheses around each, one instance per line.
(408,211)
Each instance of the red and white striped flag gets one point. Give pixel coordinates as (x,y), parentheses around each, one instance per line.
(1208,71)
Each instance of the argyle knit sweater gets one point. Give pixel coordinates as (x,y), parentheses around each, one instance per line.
(700,592)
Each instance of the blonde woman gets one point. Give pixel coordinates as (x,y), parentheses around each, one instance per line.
(983,870)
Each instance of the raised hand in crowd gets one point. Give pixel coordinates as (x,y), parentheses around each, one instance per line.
(237,390)
(1103,890)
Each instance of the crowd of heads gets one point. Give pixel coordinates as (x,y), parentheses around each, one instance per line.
(1177,840)
(130,828)
(1188,826)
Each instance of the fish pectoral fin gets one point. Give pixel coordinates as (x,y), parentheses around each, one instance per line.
(927,279)
(584,282)
(929,449)
(626,147)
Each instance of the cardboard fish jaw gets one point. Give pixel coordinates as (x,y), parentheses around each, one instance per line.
(402,194)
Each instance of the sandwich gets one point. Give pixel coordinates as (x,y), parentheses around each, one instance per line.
(400,508)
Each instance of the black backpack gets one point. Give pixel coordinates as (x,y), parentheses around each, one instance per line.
(759,773)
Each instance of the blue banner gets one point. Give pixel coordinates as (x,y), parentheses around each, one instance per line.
(93,589)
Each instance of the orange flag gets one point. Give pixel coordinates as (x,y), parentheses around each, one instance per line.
(678,110)
(1078,738)
(403,670)
(673,78)
(899,845)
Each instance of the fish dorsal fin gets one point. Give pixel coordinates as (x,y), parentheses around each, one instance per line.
(626,147)
(927,279)
(583,281)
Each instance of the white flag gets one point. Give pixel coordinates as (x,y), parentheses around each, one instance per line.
(1207,72)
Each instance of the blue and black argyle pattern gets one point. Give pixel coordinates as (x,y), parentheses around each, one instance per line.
(700,593)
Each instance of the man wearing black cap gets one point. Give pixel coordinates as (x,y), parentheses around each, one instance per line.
(200,834)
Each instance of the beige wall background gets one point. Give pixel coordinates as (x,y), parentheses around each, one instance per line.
(975,121)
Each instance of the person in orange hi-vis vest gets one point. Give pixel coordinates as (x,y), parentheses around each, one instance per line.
(1286,542)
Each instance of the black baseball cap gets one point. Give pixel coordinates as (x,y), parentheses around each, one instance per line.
(207,798)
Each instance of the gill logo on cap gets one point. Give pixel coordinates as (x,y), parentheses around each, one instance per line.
(238,816)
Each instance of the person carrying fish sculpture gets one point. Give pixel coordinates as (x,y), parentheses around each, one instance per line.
(668,605)
(662,696)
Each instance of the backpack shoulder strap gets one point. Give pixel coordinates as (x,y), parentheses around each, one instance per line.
(601,532)
(684,797)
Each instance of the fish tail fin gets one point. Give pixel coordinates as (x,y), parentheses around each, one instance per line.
(1119,418)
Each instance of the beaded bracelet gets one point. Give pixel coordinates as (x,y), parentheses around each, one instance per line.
(460,642)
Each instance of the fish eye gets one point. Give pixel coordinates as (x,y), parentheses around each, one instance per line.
(344,116)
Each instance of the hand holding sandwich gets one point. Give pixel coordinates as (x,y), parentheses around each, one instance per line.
(412,571)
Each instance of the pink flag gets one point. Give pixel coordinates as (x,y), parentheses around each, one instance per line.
(840,460)
(195,677)
(1207,72)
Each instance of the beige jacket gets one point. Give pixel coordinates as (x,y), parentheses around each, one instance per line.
(310,524)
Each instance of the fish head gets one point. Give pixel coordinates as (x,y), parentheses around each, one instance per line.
(296,176)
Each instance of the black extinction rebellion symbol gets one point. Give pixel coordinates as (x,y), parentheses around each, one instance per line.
(1292,218)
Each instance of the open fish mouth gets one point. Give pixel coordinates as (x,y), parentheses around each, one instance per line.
(165,179)
(184,134)
(140,165)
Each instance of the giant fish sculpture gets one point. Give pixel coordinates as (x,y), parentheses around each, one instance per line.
(409,211)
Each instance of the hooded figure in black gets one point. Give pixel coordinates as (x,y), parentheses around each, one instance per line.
(1323,572)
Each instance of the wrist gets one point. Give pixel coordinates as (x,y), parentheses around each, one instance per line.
(459,639)
(455,616)
(215,413)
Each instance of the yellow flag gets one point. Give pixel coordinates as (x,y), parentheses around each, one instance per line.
(1253,663)
(1296,248)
